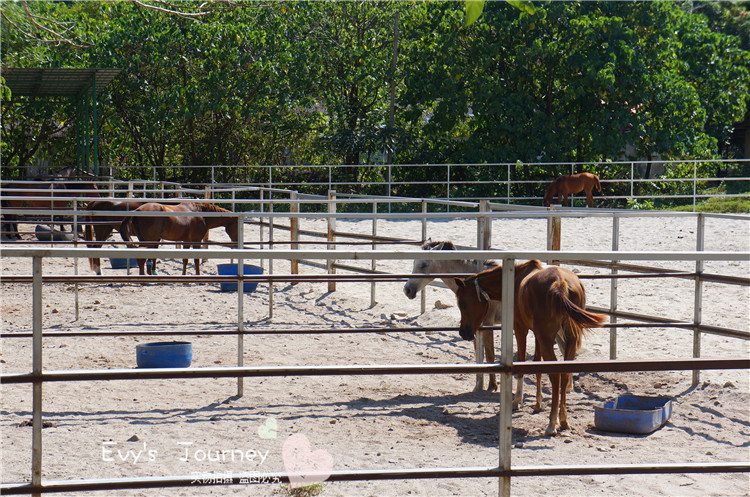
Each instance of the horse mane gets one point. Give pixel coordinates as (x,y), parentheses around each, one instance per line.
(210,208)
(430,245)
(449,245)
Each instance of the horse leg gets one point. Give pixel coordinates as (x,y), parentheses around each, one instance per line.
(489,355)
(478,341)
(548,354)
(589,198)
(568,355)
(521,344)
(564,199)
(538,407)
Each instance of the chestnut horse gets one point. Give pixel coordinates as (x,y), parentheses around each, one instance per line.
(48,195)
(572,183)
(422,270)
(190,230)
(547,301)
(99,228)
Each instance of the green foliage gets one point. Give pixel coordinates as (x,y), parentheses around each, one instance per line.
(309,83)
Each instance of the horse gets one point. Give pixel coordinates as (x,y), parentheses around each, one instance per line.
(56,192)
(99,228)
(190,230)
(426,267)
(547,301)
(572,183)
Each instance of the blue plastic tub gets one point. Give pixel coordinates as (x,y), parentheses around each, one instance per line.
(231,270)
(117,263)
(633,414)
(164,354)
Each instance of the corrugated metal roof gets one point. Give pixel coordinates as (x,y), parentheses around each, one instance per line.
(41,82)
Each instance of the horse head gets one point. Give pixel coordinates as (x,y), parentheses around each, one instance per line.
(473,303)
(425,266)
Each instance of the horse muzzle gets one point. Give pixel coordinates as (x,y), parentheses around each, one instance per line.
(466,332)
(409,291)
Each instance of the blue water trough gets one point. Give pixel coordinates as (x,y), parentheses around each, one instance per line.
(164,354)
(231,270)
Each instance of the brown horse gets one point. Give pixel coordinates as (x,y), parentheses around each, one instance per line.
(190,230)
(48,195)
(572,183)
(547,301)
(99,228)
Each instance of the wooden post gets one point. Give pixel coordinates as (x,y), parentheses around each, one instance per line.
(613,289)
(294,228)
(331,236)
(506,379)
(698,301)
(270,261)
(553,235)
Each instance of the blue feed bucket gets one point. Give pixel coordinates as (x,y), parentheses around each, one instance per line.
(164,354)
(231,270)
(117,263)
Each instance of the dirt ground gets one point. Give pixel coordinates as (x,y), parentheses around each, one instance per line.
(107,429)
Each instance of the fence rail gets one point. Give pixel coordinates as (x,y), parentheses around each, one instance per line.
(504,472)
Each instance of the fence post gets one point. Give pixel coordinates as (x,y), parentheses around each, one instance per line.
(331,236)
(294,228)
(75,259)
(373,263)
(423,296)
(260,223)
(240,305)
(554,228)
(36,412)
(506,378)
(613,288)
(484,226)
(270,261)
(698,302)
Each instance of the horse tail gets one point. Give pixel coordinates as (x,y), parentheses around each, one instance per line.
(597,184)
(549,193)
(577,319)
(126,226)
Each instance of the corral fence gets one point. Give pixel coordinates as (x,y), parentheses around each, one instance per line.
(270,225)
(624,183)
(504,471)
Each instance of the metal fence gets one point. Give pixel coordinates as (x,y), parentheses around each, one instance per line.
(504,471)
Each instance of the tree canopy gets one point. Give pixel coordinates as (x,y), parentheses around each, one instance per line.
(246,83)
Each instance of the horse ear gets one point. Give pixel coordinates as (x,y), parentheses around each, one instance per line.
(439,246)
(459,282)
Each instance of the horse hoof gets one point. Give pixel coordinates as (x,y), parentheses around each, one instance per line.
(538,408)
(550,431)
(492,387)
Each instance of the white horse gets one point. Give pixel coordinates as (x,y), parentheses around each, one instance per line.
(485,339)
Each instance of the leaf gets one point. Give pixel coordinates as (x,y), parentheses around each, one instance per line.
(523,6)
(472,9)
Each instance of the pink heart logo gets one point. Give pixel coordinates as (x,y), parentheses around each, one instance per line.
(304,466)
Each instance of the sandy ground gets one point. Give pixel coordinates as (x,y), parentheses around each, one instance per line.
(182,427)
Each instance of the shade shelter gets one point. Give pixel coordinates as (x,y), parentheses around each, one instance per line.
(83,86)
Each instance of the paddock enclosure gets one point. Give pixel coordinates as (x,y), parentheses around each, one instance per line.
(392,425)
